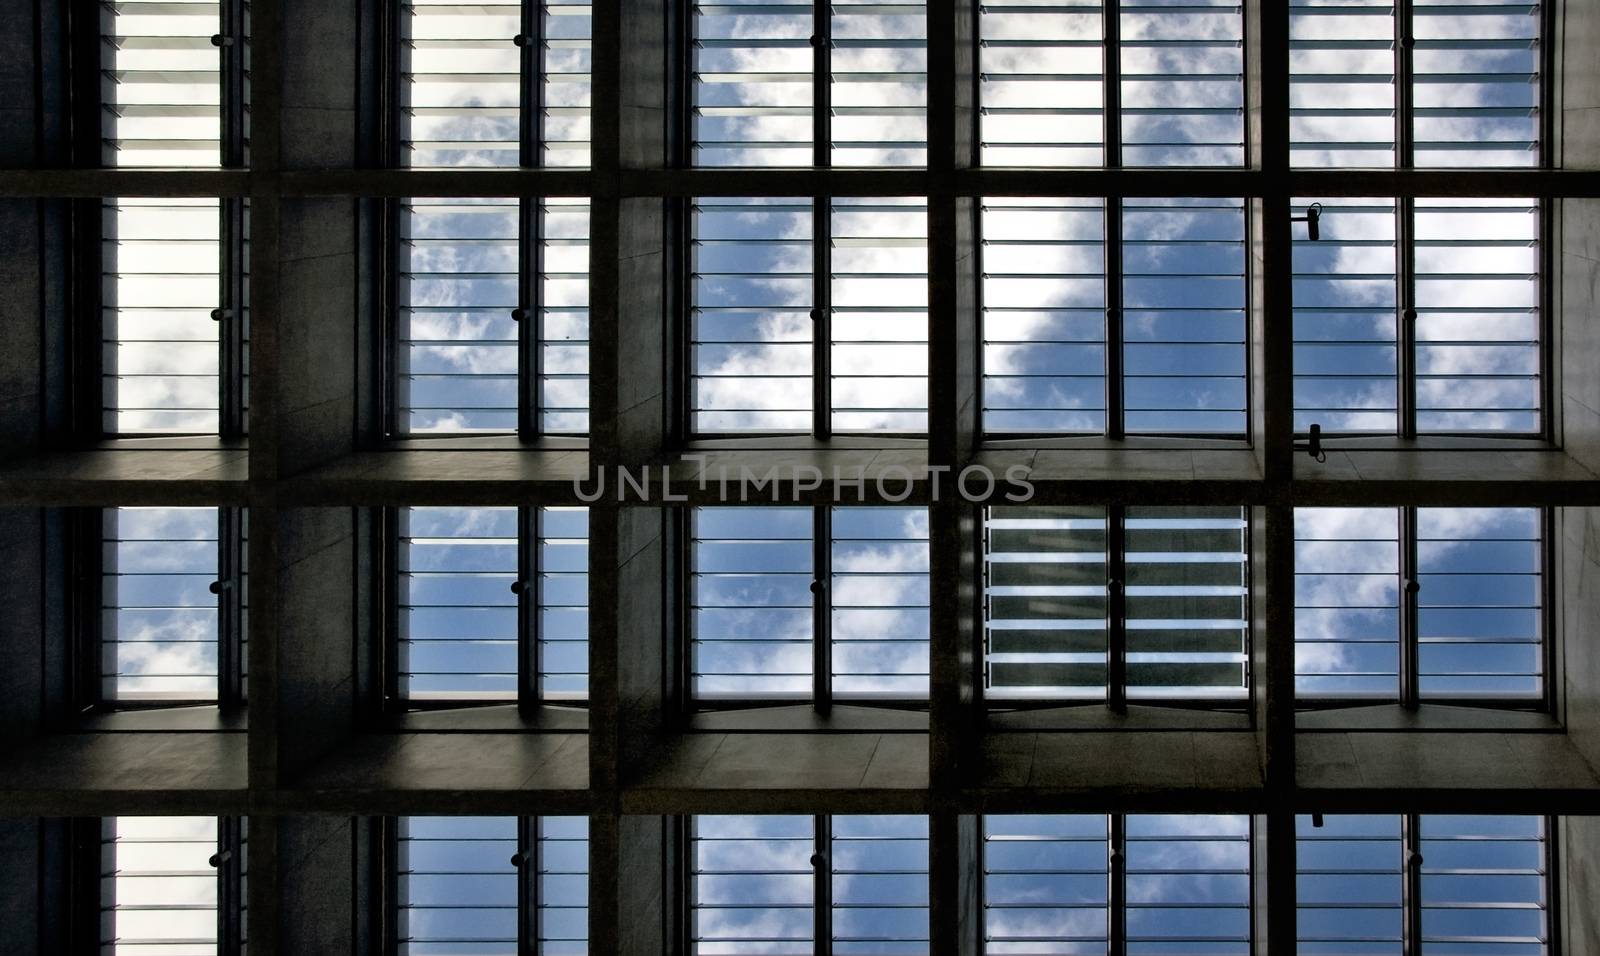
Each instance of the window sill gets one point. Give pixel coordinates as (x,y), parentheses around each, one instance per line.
(127,473)
(192,719)
(1099,717)
(412,476)
(803,718)
(494,718)
(1428,717)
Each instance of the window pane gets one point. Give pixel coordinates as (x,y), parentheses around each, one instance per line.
(1046,599)
(568,49)
(159,284)
(1182,83)
(1183,289)
(1044,350)
(160,628)
(880,885)
(751,602)
(751,296)
(1345,305)
(1187,598)
(1480,608)
(1188,885)
(162,84)
(1349,885)
(461,76)
(458,617)
(1483,885)
(1341,83)
(1045,881)
(879,295)
(1041,83)
(563,334)
(879,597)
(1476,83)
(1347,602)
(879,74)
(752,68)
(1478,363)
(751,885)
(456,888)
(563,890)
(158,890)
(563,603)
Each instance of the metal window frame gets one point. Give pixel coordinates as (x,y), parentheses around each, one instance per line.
(1409,640)
(526,587)
(86,566)
(528,314)
(89,902)
(1116,699)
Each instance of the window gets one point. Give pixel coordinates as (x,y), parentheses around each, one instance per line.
(1392,884)
(1121,83)
(793,335)
(172,885)
(1141,334)
(1136,884)
(1421,316)
(808,603)
(491,295)
(776,884)
(1137,603)
(167,624)
(492,605)
(1460,89)
(782,84)
(491,886)
(171,304)
(1420,604)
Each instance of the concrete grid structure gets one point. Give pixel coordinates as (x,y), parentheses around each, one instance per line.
(314,760)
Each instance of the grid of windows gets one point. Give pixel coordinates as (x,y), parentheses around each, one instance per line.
(808,603)
(492,604)
(1420,604)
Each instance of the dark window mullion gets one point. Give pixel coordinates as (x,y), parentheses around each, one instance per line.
(387,870)
(1117,887)
(822,317)
(1410,693)
(1111,20)
(530,43)
(229,863)
(230,607)
(1116,609)
(1404,56)
(528,866)
(87,569)
(233,30)
(1411,884)
(529,665)
(822,885)
(1406,319)
(822,84)
(394,530)
(530,315)
(822,608)
(229,314)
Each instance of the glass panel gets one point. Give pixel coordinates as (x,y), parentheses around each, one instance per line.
(1345,305)
(751,885)
(162,83)
(1483,885)
(456,888)
(458,616)
(568,51)
(880,885)
(1188,885)
(879,83)
(751,602)
(1045,881)
(563,603)
(880,600)
(1183,289)
(1480,610)
(1041,83)
(1476,82)
(1478,322)
(751,299)
(158,890)
(564,316)
(159,283)
(160,629)
(1187,600)
(1347,602)
(1044,330)
(1182,83)
(563,890)
(1341,83)
(880,315)
(1046,599)
(752,65)
(1349,885)
(461,79)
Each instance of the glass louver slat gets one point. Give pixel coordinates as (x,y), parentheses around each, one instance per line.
(878,100)
(1347,602)
(1475,83)
(1182,83)
(567,59)
(1041,83)
(456,888)
(563,603)
(879,873)
(879,315)
(879,598)
(161,83)
(160,629)
(158,890)
(751,885)
(1342,83)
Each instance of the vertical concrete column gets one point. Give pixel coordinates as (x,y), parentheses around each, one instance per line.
(1272,641)
(1577,303)
(1579,875)
(21,873)
(322,890)
(955,711)
(1274,883)
(1578,594)
(24,626)
(955,876)
(628,635)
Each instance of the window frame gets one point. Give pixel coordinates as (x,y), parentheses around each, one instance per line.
(1116,699)
(1409,637)
(821,699)
(86,613)
(387,567)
